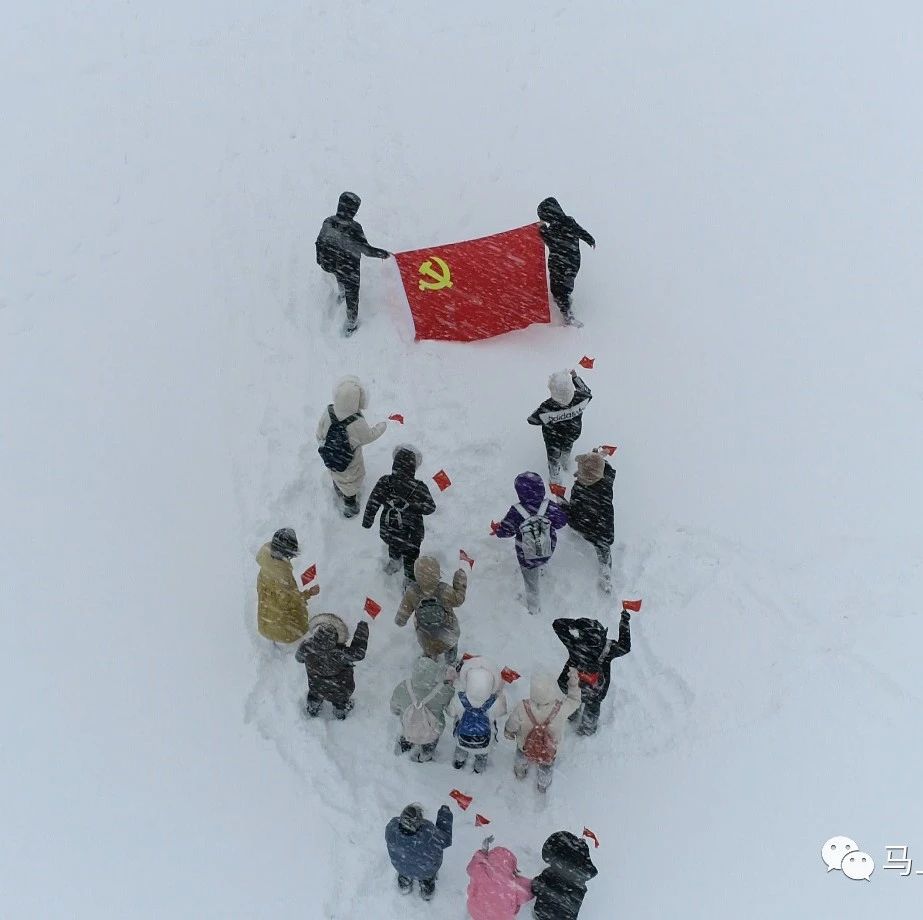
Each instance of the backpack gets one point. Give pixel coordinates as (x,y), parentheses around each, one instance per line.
(540,746)
(418,724)
(393,515)
(430,614)
(535,533)
(336,451)
(474,729)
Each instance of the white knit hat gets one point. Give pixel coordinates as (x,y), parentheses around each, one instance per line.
(561,387)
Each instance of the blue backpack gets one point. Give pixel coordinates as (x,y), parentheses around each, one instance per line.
(473,729)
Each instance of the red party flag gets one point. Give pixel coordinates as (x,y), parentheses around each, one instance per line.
(464,557)
(479,288)
(463,800)
(587,362)
(309,574)
(397,417)
(587,678)
(509,675)
(588,833)
(609,449)
(632,605)
(494,527)
(442,480)
(371,608)
(466,656)
(480,820)
(556,489)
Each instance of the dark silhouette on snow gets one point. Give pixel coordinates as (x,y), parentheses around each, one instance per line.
(562,235)
(415,846)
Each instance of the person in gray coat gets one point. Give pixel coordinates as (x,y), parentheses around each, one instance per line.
(420,702)
(416,846)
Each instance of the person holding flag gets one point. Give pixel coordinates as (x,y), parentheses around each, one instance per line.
(562,235)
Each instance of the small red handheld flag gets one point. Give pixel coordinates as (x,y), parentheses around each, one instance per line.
(509,675)
(463,800)
(442,480)
(466,656)
(588,833)
(371,608)
(609,449)
(587,678)
(587,362)
(632,605)
(494,527)
(480,820)
(556,489)
(309,574)
(464,557)
(397,417)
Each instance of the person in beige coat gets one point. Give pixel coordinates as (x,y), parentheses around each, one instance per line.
(350,398)
(432,603)
(537,725)
(282,610)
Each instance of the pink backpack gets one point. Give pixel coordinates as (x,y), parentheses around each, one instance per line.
(540,746)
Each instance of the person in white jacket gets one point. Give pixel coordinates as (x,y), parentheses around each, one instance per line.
(537,725)
(350,398)
(478,703)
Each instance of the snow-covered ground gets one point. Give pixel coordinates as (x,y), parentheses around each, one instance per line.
(750,173)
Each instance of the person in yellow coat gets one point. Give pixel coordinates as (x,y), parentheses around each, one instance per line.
(283,610)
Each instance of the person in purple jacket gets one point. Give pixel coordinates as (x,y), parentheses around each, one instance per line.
(534,521)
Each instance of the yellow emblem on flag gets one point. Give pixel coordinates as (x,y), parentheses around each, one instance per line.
(439,279)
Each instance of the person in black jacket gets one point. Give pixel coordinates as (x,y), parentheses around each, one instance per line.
(340,245)
(562,236)
(561,418)
(560,889)
(590,651)
(590,510)
(404,500)
(329,662)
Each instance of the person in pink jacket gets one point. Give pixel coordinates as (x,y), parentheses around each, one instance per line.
(496,890)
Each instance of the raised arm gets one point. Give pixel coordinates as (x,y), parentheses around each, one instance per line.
(358,647)
(623,646)
(509,526)
(444,826)
(455,596)
(361,433)
(584,235)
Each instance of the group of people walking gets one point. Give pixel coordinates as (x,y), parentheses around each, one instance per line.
(441,690)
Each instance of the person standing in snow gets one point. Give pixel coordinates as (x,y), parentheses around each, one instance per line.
(282,610)
(404,500)
(562,235)
(341,434)
(329,662)
(340,246)
(590,652)
(560,889)
(416,846)
(432,604)
(537,724)
(496,889)
(590,510)
(534,522)
(421,702)
(478,702)
(561,418)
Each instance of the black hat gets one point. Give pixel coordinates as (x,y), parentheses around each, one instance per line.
(284,543)
(348,204)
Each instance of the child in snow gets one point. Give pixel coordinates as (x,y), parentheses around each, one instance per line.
(421,703)
(534,522)
(560,889)
(341,433)
(340,245)
(590,511)
(404,500)
(561,418)
(537,724)
(329,662)
(415,846)
(590,652)
(496,890)
(282,610)
(432,603)
(478,702)
(562,235)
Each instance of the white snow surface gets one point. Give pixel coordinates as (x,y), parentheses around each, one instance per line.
(751,175)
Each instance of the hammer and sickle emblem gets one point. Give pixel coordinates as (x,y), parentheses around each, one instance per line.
(440,279)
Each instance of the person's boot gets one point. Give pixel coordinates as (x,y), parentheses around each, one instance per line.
(402,746)
(349,329)
(404,884)
(350,506)
(426,752)
(588,723)
(460,759)
(480,763)
(392,566)
(576,714)
(520,770)
(312,707)
(341,712)
(427,888)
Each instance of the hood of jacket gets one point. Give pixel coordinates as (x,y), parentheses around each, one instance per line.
(407,460)
(479,684)
(569,857)
(530,489)
(348,205)
(411,818)
(561,387)
(334,622)
(272,566)
(549,210)
(590,468)
(501,863)
(425,676)
(428,574)
(349,397)
(543,689)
